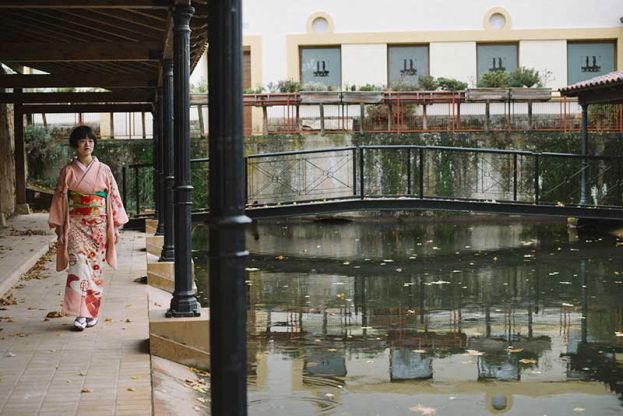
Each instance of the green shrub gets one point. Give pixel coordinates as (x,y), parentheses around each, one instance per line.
(428,82)
(525,77)
(449,84)
(314,86)
(370,87)
(494,79)
(402,85)
(288,85)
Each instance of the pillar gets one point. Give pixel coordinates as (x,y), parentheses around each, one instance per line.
(228,307)
(184,302)
(168,247)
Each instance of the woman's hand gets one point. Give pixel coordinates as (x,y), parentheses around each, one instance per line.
(60,235)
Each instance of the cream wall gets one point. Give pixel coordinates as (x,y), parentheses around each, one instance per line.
(453,60)
(547,55)
(364,64)
(282,24)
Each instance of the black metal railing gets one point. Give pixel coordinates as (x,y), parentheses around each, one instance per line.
(405,171)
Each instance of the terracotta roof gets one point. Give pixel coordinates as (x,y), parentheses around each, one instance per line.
(610,79)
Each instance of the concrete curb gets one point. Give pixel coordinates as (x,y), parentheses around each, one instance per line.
(9,281)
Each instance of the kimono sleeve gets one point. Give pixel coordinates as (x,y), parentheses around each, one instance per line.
(58,207)
(119,216)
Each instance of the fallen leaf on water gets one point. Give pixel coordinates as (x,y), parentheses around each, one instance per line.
(527,361)
(331,349)
(420,351)
(513,349)
(279,258)
(86,390)
(578,409)
(425,411)
(252,269)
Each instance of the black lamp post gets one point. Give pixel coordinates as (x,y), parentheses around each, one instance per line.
(228,306)
(184,302)
(167,205)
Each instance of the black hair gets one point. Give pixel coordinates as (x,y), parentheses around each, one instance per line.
(81,132)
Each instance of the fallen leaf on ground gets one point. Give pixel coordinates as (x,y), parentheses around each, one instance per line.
(423,410)
(86,390)
(55,314)
(131,389)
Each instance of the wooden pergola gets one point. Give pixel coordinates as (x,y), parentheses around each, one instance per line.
(140,53)
(114,46)
(604,89)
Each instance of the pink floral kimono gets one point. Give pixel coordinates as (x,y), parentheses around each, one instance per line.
(88,208)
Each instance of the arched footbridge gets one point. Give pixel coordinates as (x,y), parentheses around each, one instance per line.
(410,177)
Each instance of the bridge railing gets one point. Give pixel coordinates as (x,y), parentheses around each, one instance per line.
(405,171)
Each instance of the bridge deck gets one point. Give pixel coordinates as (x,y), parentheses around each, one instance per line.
(407,204)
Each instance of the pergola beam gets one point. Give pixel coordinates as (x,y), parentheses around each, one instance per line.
(85,4)
(610,95)
(71,52)
(73,80)
(86,108)
(128,96)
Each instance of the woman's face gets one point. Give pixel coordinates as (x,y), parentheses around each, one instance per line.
(85,147)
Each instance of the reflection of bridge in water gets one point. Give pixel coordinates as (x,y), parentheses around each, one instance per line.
(414,178)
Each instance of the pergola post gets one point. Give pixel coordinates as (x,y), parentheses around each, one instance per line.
(184,302)
(158,170)
(227,221)
(584,145)
(168,247)
(21,207)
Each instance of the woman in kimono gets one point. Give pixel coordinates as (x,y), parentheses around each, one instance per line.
(87,214)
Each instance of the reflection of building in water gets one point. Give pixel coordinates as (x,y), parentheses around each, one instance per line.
(500,364)
(407,364)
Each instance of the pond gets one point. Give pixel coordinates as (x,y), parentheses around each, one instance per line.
(469,315)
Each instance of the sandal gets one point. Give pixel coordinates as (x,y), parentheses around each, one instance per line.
(80,323)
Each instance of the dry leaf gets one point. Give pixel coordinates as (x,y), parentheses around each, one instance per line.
(423,410)
(55,314)
(513,349)
(279,258)
(86,390)
(527,361)
(474,352)
(131,389)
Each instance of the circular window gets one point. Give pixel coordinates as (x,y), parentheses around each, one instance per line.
(320,25)
(497,20)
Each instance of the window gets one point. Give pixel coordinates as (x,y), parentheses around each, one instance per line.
(586,60)
(321,65)
(496,57)
(405,64)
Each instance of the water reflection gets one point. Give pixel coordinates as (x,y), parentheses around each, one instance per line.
(380,318)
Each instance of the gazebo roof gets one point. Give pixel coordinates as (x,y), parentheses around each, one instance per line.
(113,44)
(603,89)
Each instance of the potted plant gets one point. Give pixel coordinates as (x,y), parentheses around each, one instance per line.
(317,93)
(492,86)
(366,94)
(527,85)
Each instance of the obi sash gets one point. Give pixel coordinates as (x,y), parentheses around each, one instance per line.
(87,204)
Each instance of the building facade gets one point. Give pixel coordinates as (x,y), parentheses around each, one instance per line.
(346,43)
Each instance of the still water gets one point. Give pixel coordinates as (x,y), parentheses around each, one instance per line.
(459,316)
